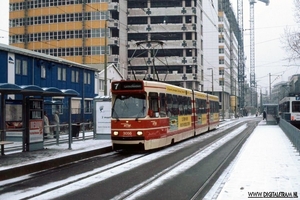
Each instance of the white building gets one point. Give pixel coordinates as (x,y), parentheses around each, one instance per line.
(113,74)
(220,54)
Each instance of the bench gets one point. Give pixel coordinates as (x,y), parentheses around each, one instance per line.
(2,143)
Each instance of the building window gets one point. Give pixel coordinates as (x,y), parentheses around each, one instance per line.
(61,74)
(221,39)
(18,66)
(43,71)
(88,106)
(24,67)
(221,50)
(221,82)
(101,85)
(221,61)
(221,71)
(64,74)
(76,106)
(75,76)
(87,78)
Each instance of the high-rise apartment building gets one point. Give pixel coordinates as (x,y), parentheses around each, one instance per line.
(77,30)
(221,54)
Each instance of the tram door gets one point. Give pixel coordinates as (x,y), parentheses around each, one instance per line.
(153,105)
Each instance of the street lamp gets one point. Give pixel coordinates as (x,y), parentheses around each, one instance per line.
(105,52)
(105,56)
(212,80)
(223,103)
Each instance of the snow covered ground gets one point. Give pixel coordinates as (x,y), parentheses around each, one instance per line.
(267,166)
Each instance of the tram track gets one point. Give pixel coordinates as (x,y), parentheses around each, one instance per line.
(71,180)
(137,191)
(213,177)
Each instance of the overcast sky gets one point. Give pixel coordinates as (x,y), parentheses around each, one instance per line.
(4,21)
(270,23)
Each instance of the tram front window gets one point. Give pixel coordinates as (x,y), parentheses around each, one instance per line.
(129,106)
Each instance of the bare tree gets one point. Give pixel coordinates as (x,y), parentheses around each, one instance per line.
(291,38)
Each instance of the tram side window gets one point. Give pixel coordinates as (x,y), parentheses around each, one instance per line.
(184,105)
(169,105)
(203,106)
(296,106)
(175,105)
(200,106)
(180,105)
(188,106)
(214,106)
(153,103)
(162,109)
(197,106)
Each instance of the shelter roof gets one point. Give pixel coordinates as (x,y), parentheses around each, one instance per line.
(34,89)
(10,88)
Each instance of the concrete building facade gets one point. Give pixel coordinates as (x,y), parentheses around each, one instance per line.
(165,41)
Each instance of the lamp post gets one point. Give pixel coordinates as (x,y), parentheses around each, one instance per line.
(223,103)
(105,57)
(212,80)
(235,98)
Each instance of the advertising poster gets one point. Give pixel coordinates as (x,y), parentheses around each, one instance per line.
(103,117)
(36,129)
(13,118)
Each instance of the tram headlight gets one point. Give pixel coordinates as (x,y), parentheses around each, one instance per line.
(139,133)
(116,133)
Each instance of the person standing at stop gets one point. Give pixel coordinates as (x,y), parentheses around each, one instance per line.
(56,122)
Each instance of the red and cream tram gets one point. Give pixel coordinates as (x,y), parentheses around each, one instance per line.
(149,114)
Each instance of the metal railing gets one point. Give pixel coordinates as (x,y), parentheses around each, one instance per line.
(292,132)
(64,130)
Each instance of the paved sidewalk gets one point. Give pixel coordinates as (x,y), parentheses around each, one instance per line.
(267,166)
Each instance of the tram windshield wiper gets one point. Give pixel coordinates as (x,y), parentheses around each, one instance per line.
(142,111)
(115,114)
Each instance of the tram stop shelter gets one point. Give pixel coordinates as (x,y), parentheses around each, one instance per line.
(24,115)
(272,115)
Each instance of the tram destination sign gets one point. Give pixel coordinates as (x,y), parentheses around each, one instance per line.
(128,85)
